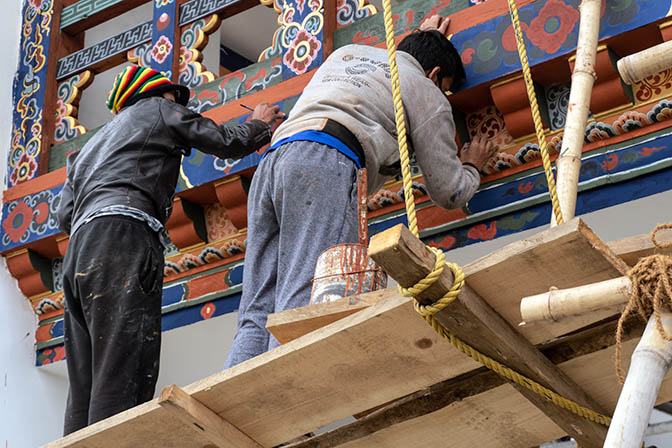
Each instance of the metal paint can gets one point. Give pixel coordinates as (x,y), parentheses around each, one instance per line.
(345,270)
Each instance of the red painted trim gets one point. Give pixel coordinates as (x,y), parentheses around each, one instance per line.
(589,147)
(41,183)
(273,94)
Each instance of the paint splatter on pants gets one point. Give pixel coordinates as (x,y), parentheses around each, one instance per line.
(113,276)
(303,200)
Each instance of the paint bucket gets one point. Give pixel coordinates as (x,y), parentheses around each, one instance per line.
(345,270)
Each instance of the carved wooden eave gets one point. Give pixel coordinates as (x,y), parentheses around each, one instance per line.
(627,155)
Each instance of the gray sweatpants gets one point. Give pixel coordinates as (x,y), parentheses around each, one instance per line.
(303,200)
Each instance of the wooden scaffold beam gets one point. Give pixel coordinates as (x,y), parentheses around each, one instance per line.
(406,259)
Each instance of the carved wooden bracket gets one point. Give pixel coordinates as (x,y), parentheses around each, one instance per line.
(186,225)
(31,270)
(608,91)
(666,30)
(231,193)
(510,97)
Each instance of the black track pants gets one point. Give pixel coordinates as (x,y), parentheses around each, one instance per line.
(113,276)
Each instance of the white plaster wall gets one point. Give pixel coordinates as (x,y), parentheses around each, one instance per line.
(30,398)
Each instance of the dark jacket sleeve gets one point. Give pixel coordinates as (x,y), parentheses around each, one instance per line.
(228,142)
(65,206)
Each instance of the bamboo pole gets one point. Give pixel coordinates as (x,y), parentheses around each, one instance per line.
(650,362)
(583,77)
(561,303)
(647,62)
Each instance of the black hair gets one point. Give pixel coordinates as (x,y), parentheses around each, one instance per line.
(432,49)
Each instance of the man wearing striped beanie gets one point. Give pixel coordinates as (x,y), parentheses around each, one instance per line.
(114,205)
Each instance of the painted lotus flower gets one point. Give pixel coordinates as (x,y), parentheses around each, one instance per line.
(186,56)
(17,221)
(24,169)
(550,28)
(161,49)
(302,52)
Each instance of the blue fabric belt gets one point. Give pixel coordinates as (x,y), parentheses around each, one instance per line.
(319,137)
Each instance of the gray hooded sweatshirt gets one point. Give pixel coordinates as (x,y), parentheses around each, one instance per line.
(353,88)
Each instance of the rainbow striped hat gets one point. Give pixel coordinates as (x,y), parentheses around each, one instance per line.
(135,83)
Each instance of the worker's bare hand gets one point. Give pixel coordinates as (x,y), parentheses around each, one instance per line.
(267,113)
(435,22)
(478,152)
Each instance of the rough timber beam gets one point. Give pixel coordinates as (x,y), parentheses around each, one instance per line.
(201,419)
(406,259)
(454,390)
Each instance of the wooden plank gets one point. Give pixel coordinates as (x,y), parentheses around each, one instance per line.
(564,256)
(202,420)
(290,324)
(567,254)
(633,248)
(379,354)
(501,418)
(365,360)
(438,396)
(406,259)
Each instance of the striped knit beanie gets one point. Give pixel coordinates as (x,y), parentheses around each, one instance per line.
(135,83)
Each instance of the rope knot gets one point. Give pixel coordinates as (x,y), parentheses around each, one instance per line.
(651,292)
(439,263)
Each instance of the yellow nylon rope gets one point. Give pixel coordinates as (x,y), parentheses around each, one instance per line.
(428,311)
(538,125)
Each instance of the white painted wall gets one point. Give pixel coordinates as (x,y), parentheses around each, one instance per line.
(30,398)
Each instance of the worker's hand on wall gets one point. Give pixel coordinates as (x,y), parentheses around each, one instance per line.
(268,113)
(478,151)
(435,22)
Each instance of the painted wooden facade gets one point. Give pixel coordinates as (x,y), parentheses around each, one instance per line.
(627,155)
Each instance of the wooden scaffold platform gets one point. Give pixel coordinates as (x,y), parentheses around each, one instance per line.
(375,358)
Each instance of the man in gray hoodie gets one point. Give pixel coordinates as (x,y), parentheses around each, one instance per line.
(303,197)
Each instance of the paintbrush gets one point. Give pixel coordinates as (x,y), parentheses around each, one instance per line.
(247,107)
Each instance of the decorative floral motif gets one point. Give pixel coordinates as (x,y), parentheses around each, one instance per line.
(192,73)
(161,49)
(598,131)
(630,121)
(69,92)
(29,92)
(655,85)
(661,111)
(25,169)
(483,231)
(207,310)
(28,218)
(349,11)
(557,98)
(500,162)
(160,3)
(383,198)
(489,123)
(17,222)
(49,305)
(550,28)
(527,153)
(51,355)
(141,55)
(206,255)
(57,273)
(302,52)
(218,223)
